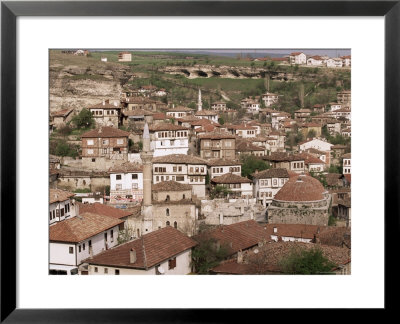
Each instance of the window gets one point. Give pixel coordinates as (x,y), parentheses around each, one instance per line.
(117,272)
(118,186)
(104,151)
(134,185)
(183,196)
(105,270)
(118,176)
(105,142)
(171,264)
(167,210)
(93,160)
(180,168)
(120,141)
(157,178)
(90,142)
(90,151)
(175,224)
(71,249)
(174,169)
(50,216)
(180,178)
(167,223)
(62,212)
(79,248)
(134,176)
(191,169)
(105,236)
(84,246)
(112,235)
(96,269)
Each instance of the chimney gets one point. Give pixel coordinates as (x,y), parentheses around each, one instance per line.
(240,257)
(132,256)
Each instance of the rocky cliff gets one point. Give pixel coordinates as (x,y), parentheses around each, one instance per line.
(78,82)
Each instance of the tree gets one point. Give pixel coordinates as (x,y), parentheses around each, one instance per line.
(65,130)
(304,261)
(126,234)
(84,119)
(221,120)
(311,133)
(219,192)
(208,254)
(250,164)
(62,148)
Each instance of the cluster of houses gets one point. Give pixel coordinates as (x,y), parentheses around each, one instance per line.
(187,176)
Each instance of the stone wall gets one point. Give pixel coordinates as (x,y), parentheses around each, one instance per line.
(297,214)
(72,182)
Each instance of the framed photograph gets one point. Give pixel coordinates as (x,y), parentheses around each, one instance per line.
(41,45)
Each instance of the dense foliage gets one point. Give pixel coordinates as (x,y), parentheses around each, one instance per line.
(208,254)
(302,261)
(251,163)
(84,119)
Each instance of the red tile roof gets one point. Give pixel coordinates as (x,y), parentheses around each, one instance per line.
(230,178)
(238,236)
(59,195)
(126,167)
(151,249)
(103,210)
(179,159)
(301,188)
(81,227)
(105,132)
(170,186)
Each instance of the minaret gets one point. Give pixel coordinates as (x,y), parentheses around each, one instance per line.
(199,103)
(147,156)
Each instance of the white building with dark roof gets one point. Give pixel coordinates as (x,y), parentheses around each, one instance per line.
(267,183)
(181,168)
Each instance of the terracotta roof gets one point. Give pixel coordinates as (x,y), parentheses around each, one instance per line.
(126,167)
(222,162)
(332,179)
(301,188)
(151,249)
(166,127)
(346,156)
(159,116)
(105,131)
(273,253)
(247,146)
(296,53)
(303,110)
(81,227)
(59,195)
(238,236)
(195,121)
(139,100)
(62,113)
(104,210)
(206,128)
(170,186)
(180,108)
(310,159)
(230,178)
(283,156)
(217,135)
(336,236)
(206,113)
(271,173)
(179,159)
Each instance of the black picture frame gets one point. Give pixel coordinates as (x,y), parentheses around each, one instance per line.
(9,13)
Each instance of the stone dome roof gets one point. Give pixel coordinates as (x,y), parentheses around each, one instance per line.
(301,188)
